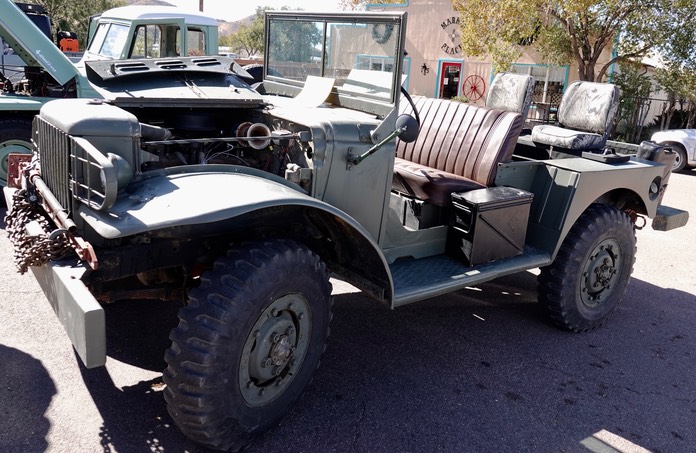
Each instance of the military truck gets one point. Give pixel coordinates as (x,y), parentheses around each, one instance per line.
(48,73)
(185,183)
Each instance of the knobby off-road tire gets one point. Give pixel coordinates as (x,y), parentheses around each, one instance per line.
(584,285)
(15,137)
(248,343)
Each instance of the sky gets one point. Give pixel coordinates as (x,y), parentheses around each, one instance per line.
(234,10)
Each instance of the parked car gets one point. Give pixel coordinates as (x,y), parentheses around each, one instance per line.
(683,142)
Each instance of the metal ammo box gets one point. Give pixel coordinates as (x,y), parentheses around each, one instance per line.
(488,224)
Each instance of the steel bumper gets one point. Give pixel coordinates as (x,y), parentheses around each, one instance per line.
(79,312)
(668,218)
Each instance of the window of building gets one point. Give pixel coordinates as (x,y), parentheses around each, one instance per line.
(549,81)
(385,64)
(549,84)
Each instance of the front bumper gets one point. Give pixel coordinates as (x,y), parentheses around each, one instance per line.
(77,309)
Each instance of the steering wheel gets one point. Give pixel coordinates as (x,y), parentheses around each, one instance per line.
(413,105)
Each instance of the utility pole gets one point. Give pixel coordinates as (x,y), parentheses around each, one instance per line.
(200,5)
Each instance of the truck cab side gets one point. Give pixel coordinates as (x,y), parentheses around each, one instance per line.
(150,32)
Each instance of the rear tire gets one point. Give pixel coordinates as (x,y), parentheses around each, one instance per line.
(248,342)
(585,283)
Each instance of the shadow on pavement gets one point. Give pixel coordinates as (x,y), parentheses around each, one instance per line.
(26,391)
(135,417)
(480,368)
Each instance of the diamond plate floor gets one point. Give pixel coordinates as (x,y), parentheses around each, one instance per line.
(428,277)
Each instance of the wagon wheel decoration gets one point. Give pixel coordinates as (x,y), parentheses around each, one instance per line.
(473,87)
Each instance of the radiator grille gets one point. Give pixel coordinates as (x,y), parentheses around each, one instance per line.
(54,153)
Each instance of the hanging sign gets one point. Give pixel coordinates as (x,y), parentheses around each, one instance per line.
(453,44)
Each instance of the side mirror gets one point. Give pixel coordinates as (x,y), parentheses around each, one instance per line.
(407,128)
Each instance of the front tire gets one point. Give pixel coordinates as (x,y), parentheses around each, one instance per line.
(248,343)
(585,283)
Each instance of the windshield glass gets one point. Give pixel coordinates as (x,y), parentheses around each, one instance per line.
(109,40)
(362,53)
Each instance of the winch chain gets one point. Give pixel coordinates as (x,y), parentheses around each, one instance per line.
(31,250)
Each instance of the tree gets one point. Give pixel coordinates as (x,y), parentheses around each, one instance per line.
(249,37)
(71,15)
(572,30)
(679,82)
(359,5)
(294,41)
(677,76)
(636,88)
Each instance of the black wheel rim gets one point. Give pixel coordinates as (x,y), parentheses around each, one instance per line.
(275,349)
(600,273)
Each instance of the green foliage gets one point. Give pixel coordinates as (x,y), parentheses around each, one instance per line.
(294,41)
(636,88)
(71,15)
(249,38)
(352,5)
(574,30)
(679,82)
(463,99)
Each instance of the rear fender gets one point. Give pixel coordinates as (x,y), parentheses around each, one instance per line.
(564,188)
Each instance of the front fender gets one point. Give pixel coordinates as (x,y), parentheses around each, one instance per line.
(170,200)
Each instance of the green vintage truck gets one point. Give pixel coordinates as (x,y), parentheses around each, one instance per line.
(184,182)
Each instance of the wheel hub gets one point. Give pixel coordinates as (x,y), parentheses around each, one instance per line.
(10,147)
(274,349)
(599,273)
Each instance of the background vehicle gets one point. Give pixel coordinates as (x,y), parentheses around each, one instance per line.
(47,73)
(186,183)
(12,66)
(683,142)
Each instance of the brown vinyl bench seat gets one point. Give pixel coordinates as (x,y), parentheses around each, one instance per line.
(458,149)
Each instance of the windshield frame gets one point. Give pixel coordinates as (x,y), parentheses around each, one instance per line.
(381,104)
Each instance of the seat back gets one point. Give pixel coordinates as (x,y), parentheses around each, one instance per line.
(463,139)
(511,92)
(589,107)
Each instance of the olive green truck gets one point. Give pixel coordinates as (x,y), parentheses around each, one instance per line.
(185,183)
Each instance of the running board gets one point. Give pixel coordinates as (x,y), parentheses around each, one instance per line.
(415,280)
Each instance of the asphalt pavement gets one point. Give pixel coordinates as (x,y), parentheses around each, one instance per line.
(480,370)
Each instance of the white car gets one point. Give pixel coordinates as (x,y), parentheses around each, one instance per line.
(683,142)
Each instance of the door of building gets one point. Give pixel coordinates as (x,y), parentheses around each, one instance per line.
(450,72)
